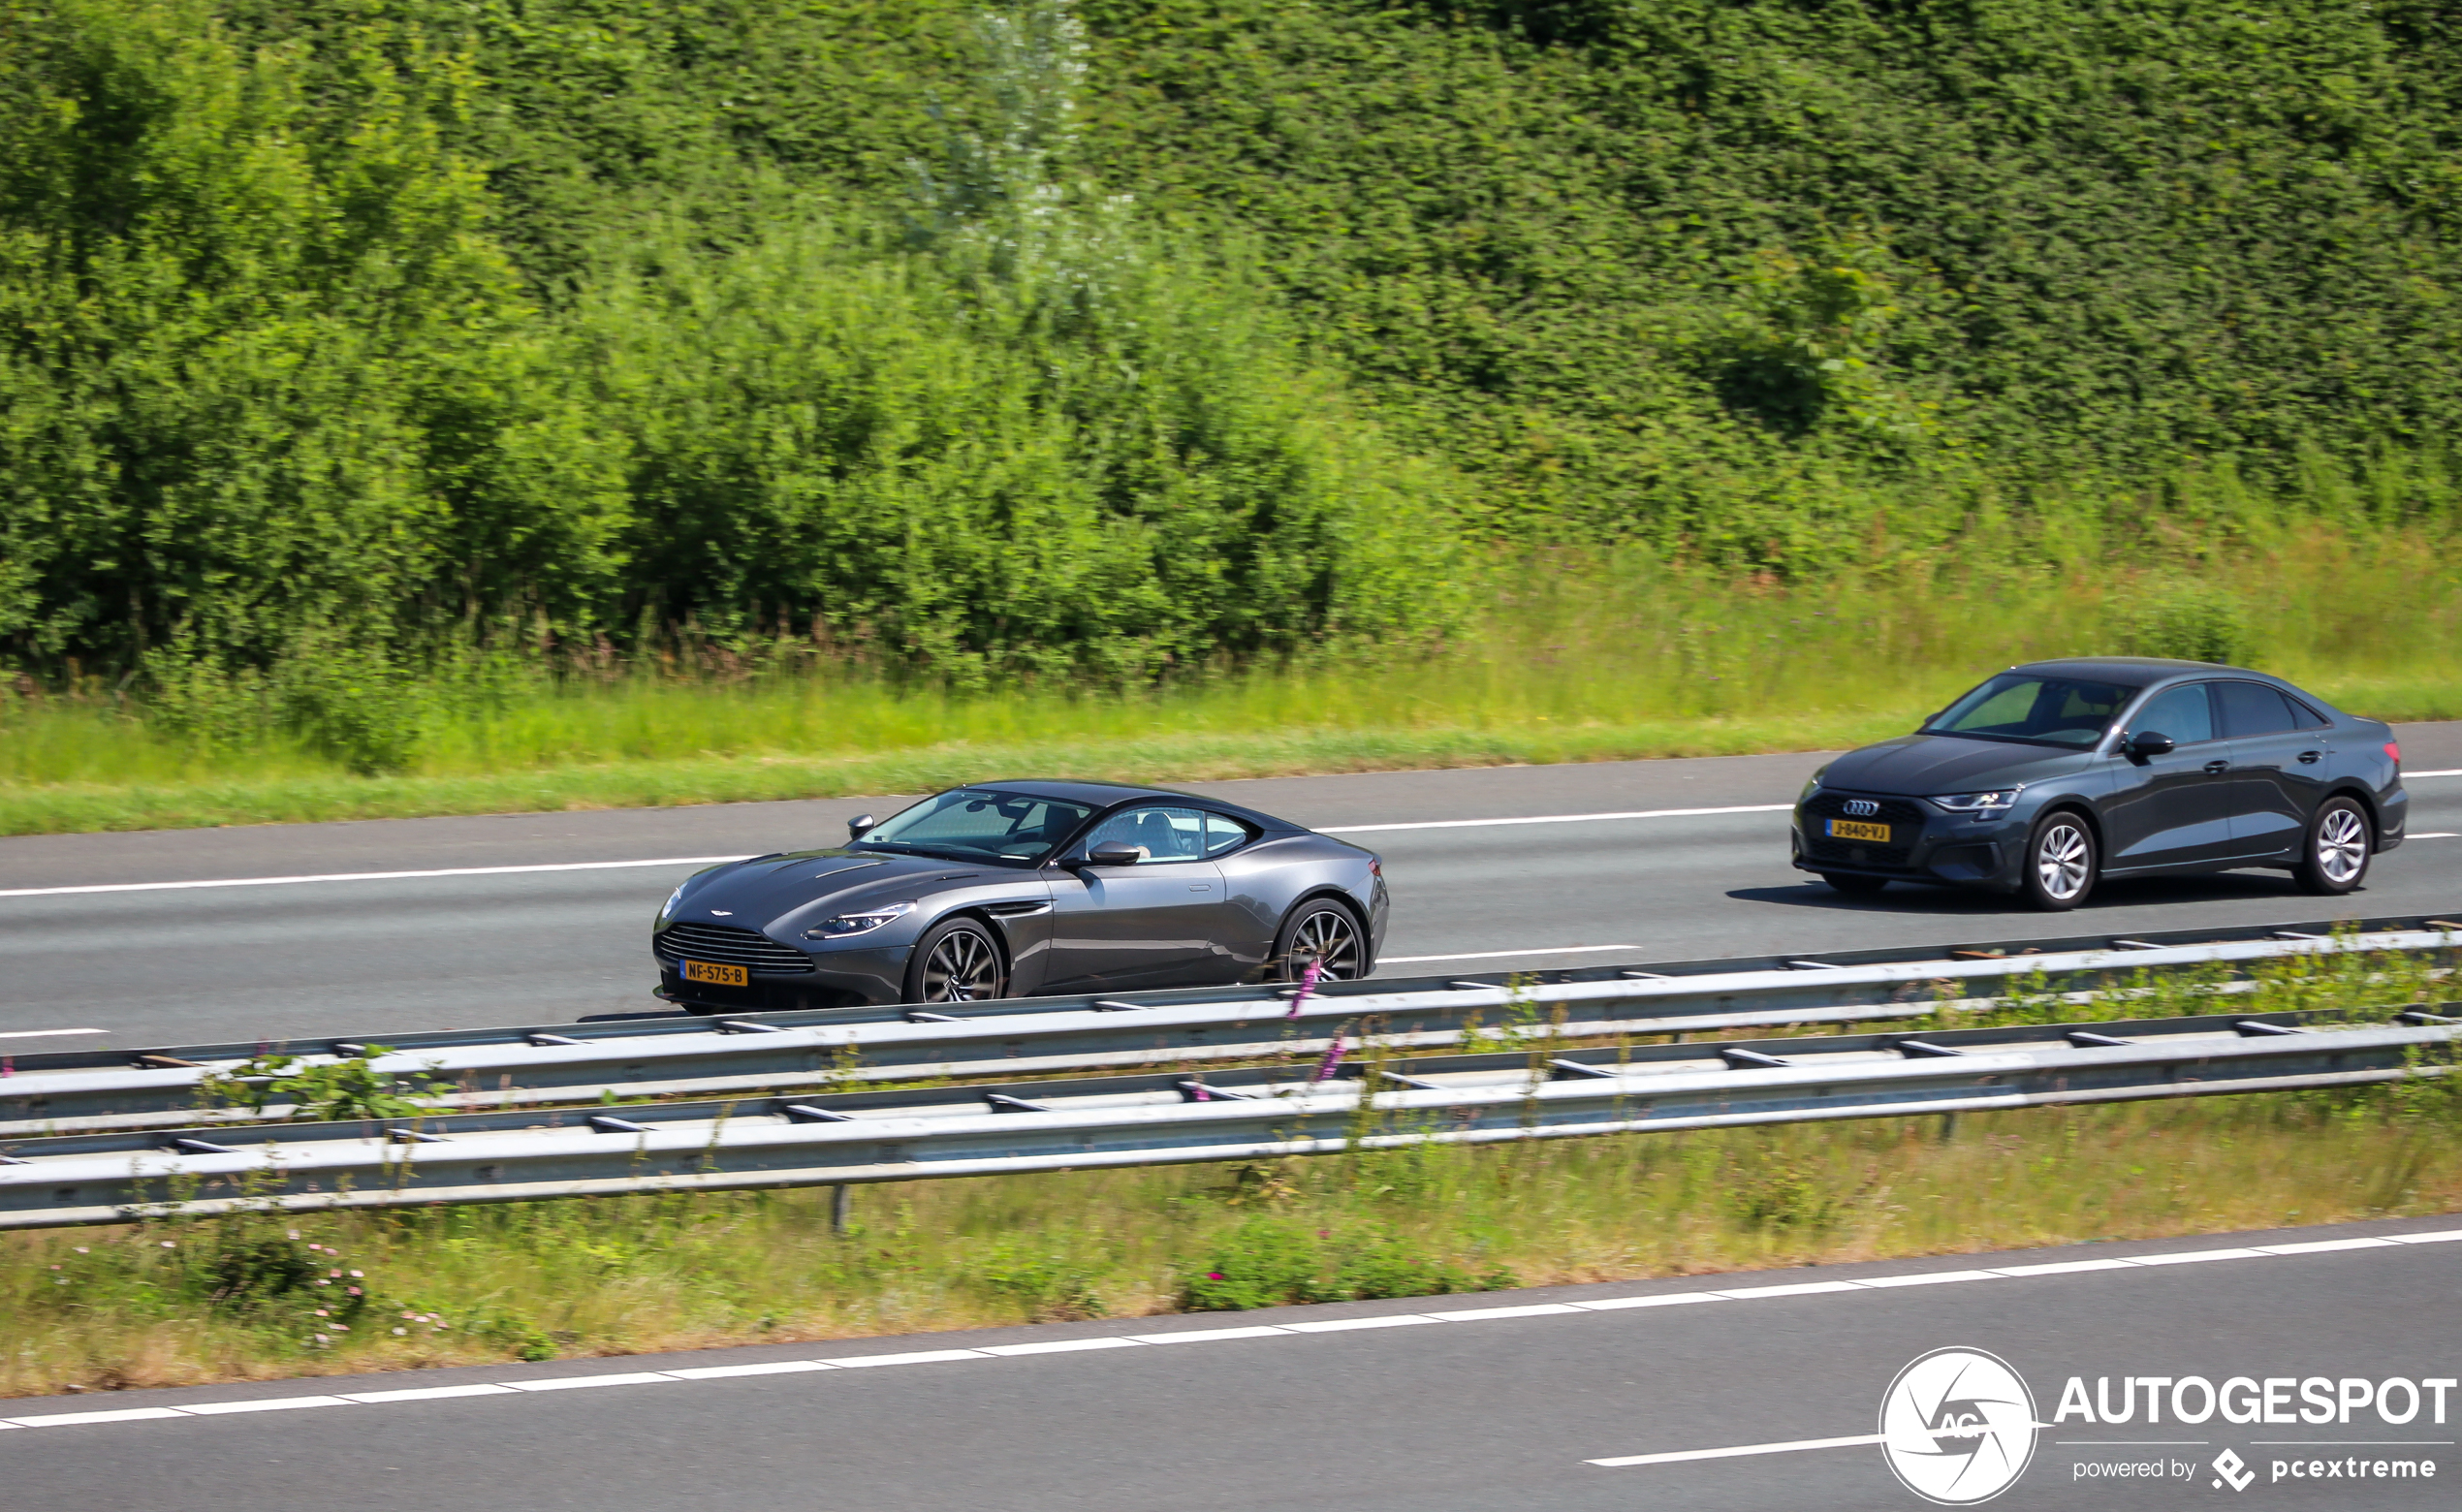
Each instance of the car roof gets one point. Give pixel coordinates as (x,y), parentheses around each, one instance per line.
(2134,671)
(1105,795)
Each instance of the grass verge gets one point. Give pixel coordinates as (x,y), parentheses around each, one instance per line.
(1571,658)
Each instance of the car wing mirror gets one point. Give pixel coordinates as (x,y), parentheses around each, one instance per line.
(1112,853)
(860,825)
(2149,743)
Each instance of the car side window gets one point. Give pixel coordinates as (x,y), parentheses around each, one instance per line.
(2253,708)
(1224,834)
(1162,834)
(2183,714)
(2306,717)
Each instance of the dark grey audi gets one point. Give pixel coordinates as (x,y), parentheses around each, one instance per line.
(1013,889)
(2054,774)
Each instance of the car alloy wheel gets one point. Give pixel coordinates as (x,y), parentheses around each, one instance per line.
(1328,935)
(2060,863)
(961,966)
(2338,846)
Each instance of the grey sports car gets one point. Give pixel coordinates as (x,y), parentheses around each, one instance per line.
(1013,889)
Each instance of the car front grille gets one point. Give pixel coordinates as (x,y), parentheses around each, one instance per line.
(1902,817)
(729,946)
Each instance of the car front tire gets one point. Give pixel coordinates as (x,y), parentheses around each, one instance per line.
(955,962)
(2333,859)
(2061,861)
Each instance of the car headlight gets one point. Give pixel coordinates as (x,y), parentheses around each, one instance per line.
(850,924)
(668,908)
(1995,802)
(1812,786)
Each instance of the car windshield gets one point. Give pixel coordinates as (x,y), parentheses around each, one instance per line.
(980,824)
(2024,706)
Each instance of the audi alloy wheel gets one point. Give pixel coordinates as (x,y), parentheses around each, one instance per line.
(2336,855)
(2060,862)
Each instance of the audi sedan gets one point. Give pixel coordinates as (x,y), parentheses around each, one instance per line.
(2055,775)
(1013,889)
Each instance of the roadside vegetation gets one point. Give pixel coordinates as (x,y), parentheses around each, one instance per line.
(421,407)
(178,1300)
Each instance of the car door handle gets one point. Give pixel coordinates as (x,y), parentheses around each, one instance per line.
(1200,887)
(2310,757)
(2217,768)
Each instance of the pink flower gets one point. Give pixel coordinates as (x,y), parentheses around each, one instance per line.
(1214,1276)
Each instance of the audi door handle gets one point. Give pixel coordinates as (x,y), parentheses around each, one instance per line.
(2217,768)
(2310,757)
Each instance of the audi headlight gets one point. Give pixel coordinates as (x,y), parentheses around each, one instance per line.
(846,924)
(1812,786)
(1995,802)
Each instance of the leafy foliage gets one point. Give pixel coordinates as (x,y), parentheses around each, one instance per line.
(322,1091)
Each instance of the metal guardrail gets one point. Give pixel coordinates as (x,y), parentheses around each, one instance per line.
(717,1054)
(1257,1113)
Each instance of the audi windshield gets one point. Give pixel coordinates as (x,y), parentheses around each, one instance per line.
(2040,711)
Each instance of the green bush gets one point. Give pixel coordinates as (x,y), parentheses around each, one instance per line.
(1272,1262)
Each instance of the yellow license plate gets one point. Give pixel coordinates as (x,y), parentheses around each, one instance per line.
(1852,829)
(716,975)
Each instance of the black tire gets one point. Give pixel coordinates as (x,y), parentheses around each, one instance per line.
(957,962)
(2062,860)
(1852,885)
(1323,930)
(2334,854)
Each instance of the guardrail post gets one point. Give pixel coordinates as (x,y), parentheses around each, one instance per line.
(840,1198)
(1949,1130)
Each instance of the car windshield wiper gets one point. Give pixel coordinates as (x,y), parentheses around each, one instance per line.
(951,852)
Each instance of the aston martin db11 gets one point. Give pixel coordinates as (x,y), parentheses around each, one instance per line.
(2053,774)
(1014,889)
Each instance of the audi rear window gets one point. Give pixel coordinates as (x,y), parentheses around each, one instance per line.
(2020,706)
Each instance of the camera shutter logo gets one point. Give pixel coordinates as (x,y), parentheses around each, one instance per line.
(1957,1427)
(1862,807)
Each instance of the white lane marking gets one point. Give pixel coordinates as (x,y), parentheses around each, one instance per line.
(1061,1346)
(1491,955)
(72,1419)
(429,1393)
(2449,772)
(1737,1451)
(1336,1325)
(1345,1325)
(1928,1278)
(1206,1335)
(720,1372)
(1630,813)
(584,1382)
(2438,835)
(918,1357)
(264,1405)
(1534,1309)
(364,877)
(45,1033)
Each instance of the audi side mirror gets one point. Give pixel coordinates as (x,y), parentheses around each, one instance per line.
(860,825)
(2149,743)
(1112,853)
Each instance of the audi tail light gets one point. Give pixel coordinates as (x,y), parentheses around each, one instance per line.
(2393,752)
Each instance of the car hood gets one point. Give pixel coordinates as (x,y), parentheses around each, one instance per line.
(1928,765)
(756,894)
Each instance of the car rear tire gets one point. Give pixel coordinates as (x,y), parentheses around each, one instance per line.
(1855,886)
(955,962)
(2061,861)
(1324,931)
(2333,860)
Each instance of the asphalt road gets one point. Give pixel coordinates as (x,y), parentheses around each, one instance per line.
(358,957)
(1462,1413)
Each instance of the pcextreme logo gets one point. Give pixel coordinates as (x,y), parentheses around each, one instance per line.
(1957,1427)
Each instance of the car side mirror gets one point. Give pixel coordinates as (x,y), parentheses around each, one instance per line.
(860,825)
(1112,853)
(2149,743)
